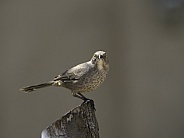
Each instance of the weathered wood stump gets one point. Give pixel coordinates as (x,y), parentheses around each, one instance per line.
(80,122)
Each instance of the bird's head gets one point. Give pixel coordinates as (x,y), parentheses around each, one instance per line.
(101,60)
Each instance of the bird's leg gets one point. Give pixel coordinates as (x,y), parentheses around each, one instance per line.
(87,99)
(83,97)
(80,96)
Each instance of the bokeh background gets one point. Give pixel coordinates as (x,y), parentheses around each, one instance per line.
(143,95)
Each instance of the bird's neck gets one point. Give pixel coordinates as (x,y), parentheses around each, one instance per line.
(102,66)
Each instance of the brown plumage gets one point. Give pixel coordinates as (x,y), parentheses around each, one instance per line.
(84,77)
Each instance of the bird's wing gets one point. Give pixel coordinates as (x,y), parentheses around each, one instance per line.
(73,74)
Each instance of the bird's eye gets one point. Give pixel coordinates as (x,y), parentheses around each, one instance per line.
(95,56)
(104,55)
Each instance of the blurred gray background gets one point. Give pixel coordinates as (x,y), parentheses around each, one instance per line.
(143,95)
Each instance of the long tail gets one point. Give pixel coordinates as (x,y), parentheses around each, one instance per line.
(34,87)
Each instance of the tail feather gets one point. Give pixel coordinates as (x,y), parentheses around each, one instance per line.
(34,87)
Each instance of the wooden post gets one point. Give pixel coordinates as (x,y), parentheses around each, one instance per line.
(80,122)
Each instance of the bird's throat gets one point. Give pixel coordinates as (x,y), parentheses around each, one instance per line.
(100,65)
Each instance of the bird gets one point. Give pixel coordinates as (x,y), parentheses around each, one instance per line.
(84,77)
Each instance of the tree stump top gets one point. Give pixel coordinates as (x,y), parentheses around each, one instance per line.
(80,122)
